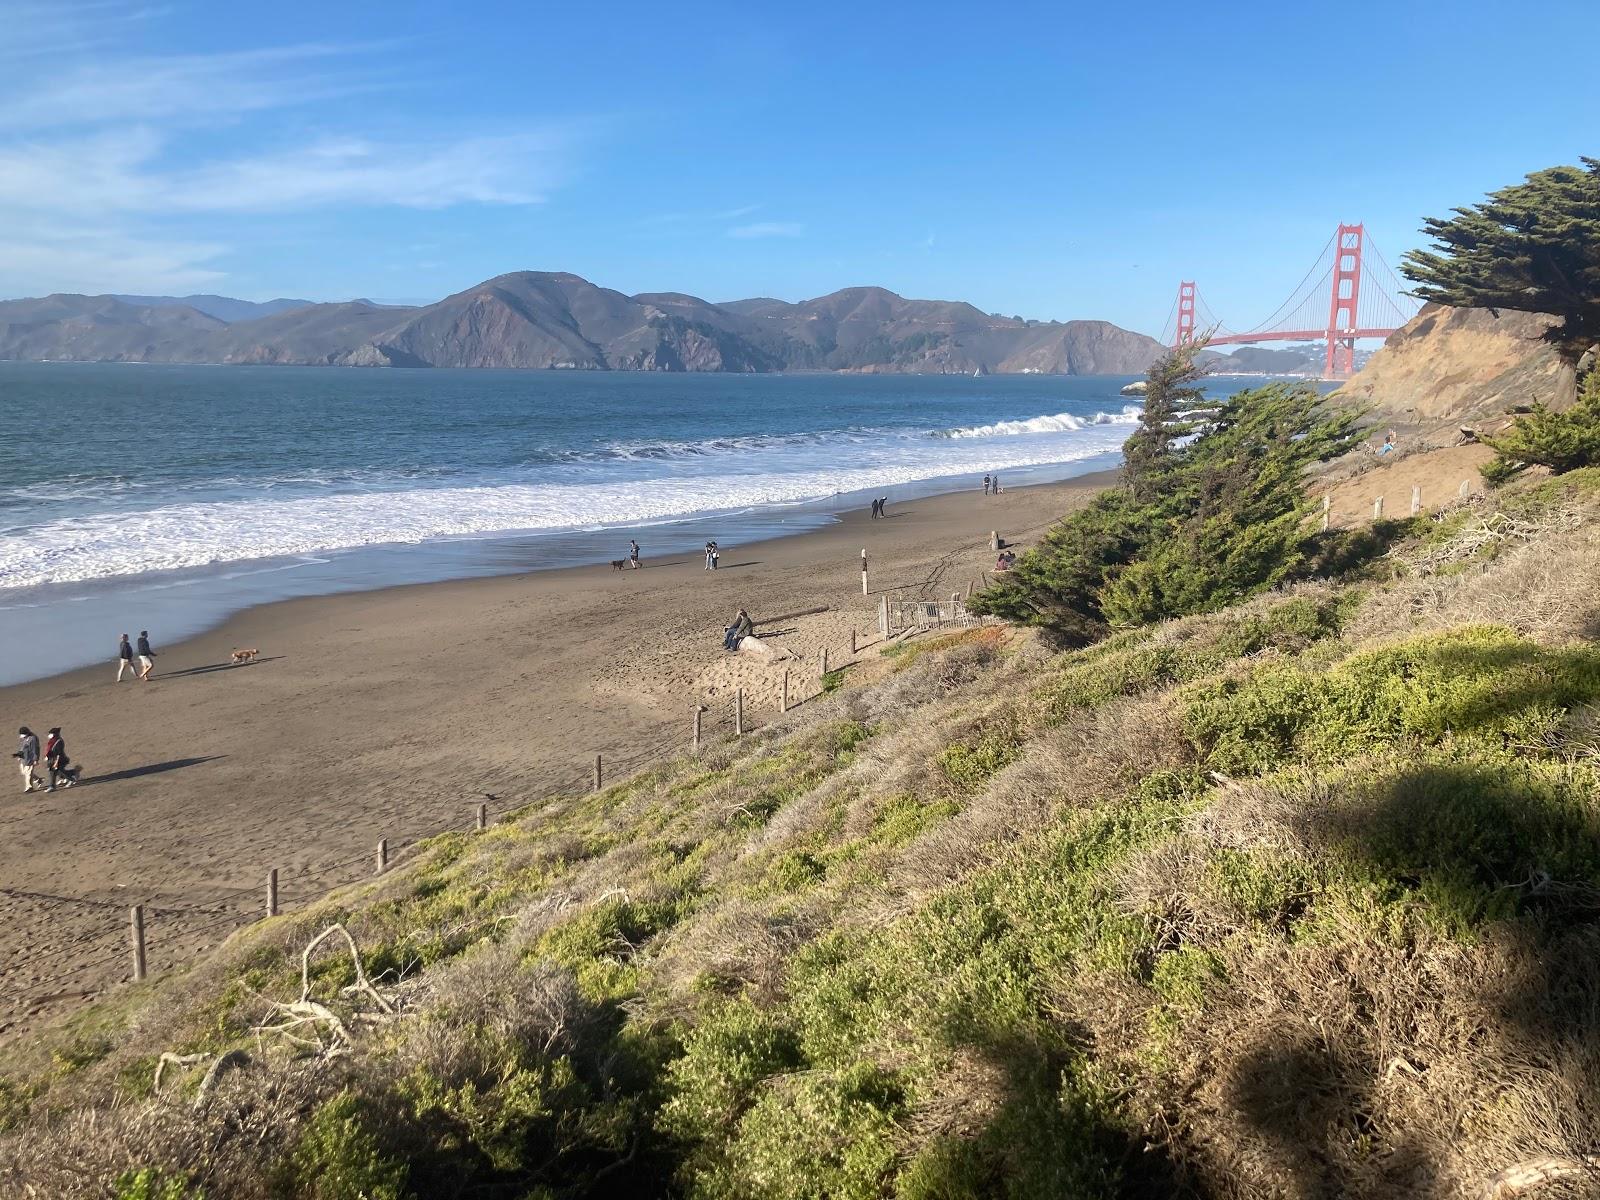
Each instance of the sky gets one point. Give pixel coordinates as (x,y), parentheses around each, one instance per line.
(1055,161)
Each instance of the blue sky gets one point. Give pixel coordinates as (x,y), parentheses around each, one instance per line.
(1053,160)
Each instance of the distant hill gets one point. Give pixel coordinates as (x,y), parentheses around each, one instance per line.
(224,308)
(538,319)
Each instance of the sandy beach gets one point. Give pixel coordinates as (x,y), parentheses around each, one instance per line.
(392,714)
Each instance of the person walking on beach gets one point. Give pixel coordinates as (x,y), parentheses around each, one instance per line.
(125,659)
(716,556)
(633,553)
(997,484)
(147,656)
(55,758)
(27,757)
(985,485)
(874,508)
(883,506)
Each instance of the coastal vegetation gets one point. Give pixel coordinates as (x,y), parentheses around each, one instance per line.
(1531,247)
(1291,898)
(1211,510)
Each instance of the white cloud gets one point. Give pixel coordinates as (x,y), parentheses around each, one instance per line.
(768,229)
(62,256)
(194,88)
(101,156)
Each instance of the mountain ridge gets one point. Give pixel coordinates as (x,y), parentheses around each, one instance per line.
(559,320)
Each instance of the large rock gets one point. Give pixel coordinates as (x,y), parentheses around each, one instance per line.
(1463,364)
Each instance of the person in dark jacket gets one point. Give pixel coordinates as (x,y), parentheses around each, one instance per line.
(147,656)
(27,757)
(62,773)
(125,659)
(741,628)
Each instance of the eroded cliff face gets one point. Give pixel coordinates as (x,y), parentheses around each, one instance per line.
(1463,364)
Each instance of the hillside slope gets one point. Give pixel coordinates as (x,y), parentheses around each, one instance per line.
(1463,365)
(1293,900)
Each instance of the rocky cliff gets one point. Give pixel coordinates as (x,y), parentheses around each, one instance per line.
(535,319)
(1462,364)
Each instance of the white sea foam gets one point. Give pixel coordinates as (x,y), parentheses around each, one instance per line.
(1059,423)
(194,532)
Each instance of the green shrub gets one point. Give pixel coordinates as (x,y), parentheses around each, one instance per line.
(337,1158)
(1561,441)
(1483,683)
(726,1058)
(149,1183)
(820,1135)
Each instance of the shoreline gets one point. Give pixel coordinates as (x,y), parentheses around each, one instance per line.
(50,630)
(391,713)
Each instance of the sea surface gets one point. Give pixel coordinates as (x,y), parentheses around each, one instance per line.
(169,497)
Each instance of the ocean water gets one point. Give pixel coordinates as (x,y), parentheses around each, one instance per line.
(145,496)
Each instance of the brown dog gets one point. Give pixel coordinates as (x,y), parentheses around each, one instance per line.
(244,656)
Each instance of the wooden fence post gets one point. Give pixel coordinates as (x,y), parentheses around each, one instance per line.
(738,711)
(852,642)
(483,817)
(599,773)
(1416,499)
(994,539)
(883,615)
(969,589)
(1377,509)
(824,660)
(383,855)
(272,892)
(1327,504)
(1466,486)
(699,711)
(136,936)
(783,696)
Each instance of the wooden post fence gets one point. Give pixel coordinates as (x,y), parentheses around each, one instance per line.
(738,711)
(1327,504)
(994,539)
(883,616)
(824,660)
(699,711)
(599,773)
(852,643)
(383,856)
(864,590)
(783,696)
(1377,509)
(136,937)
(1416,499)
(1466,486)
(483,817)
(272,892)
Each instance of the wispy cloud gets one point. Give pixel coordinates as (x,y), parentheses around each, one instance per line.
(102,158)
(194,87)
(768,229)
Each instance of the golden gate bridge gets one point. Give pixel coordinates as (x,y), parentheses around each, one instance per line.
(1349,284)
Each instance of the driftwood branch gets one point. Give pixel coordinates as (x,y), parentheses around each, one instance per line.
(1535,1171)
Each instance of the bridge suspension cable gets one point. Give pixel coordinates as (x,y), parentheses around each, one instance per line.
(1349,293)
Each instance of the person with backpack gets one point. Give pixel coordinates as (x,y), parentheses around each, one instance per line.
(55,759)
(28,758)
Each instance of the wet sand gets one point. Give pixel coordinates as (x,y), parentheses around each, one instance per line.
(391,714)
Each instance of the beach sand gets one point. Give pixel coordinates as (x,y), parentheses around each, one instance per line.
(392,714)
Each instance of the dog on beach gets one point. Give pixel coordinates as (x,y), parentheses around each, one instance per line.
(619,564)
(244,656)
